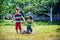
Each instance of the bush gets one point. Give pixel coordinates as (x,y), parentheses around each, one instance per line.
(1,16)
(58,30)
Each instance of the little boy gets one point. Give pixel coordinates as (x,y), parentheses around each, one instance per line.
(29,22)
(18,18)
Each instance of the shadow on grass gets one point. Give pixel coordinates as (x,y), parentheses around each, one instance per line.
(47,23)
(58,30)
(4,23)
(1,21)
(9,24)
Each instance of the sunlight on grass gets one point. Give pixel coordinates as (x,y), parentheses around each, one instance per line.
(43,32)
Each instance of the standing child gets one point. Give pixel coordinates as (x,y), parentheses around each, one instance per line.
(29,24)
(18,19)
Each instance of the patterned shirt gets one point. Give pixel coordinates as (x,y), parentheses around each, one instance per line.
(18,17)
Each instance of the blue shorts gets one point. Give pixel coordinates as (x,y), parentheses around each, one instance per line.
(29,28)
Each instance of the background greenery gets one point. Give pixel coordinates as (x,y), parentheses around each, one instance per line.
(45,30)
(35,6)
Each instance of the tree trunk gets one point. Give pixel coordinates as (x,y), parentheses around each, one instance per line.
(43,17)
(58,15)
(51,14)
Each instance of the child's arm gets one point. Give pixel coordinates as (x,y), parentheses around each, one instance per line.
(13,18)
(33,23)
(23,18)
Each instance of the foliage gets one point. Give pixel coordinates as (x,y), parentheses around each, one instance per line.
(35,6)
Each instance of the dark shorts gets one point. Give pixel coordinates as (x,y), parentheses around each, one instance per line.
(29,28)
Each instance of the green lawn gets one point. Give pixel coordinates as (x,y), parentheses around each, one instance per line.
(43,31)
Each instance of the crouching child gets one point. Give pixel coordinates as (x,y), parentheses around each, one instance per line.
(29,23)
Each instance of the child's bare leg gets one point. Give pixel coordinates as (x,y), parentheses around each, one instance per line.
(20,27)
(20,31)
(17,31)
(17,26)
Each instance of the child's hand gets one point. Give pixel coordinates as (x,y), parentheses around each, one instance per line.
(25,22)
(33,24)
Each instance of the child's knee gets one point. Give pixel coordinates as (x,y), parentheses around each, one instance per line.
(31,29)
(16,28)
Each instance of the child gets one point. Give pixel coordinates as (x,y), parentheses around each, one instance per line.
(18,18)
(29,22)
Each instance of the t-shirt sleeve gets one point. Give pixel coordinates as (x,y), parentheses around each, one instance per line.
(13,16)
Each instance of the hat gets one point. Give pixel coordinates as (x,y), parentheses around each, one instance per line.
(17,8)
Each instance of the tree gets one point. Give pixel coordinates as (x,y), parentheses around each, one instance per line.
(1,2)
(35,6)
(50,4)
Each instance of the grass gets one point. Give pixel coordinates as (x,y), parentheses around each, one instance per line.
(43,31)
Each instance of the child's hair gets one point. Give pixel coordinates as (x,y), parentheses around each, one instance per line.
(30,17)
